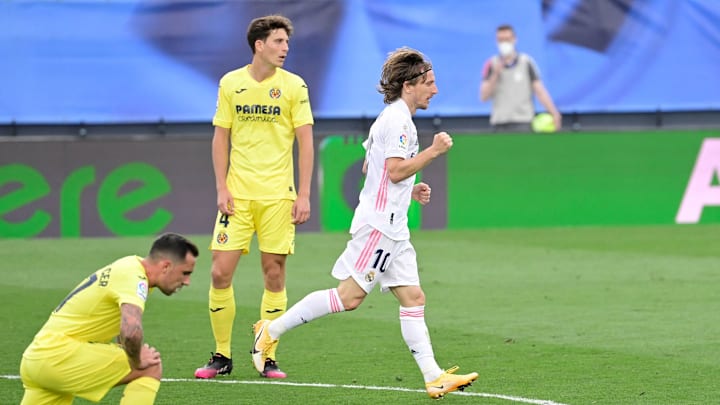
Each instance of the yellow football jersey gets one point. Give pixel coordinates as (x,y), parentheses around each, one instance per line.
(262,117)
(91,311)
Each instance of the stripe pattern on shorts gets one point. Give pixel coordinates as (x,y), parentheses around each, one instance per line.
(368,250)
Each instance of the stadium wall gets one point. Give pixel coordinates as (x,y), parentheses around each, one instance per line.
(72,187)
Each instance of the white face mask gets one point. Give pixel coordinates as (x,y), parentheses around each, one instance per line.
(506,48)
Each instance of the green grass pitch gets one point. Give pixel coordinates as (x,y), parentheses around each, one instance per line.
(595,315)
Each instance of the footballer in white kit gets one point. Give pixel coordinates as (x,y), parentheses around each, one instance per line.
(380,249)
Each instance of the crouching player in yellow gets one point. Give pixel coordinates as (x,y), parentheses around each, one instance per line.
(74,355)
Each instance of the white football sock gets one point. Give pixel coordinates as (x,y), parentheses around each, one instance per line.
(314,305)
(415,332)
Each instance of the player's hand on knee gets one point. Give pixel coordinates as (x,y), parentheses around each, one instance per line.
(149,356)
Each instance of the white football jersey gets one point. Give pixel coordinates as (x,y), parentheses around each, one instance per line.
(384,205)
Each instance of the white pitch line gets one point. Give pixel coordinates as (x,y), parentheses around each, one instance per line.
(355,387)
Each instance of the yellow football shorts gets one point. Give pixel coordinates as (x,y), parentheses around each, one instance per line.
(270,219)
(66,368)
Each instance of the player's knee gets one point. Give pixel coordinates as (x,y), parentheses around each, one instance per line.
(274,273)
(351,294)
(223,267)
(221,278)
(418,298)
(274,276)
(352,303)
(411,297)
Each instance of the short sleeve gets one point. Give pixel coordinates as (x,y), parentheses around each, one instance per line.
(130,285)
(223,107)
(301,111)
(396,138)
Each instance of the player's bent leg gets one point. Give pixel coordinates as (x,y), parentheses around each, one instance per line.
(266,333)
(142,385)
(449,382)
(141,391)
(351,294)
(34,396)
(34,393)
(75,369)
(151,372)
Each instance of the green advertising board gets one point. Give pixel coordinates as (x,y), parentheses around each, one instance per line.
(564,179)
(105,187)
(78,188)
(584,179)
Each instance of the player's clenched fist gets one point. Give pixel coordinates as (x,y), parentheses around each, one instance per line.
(421,193)
(442,142)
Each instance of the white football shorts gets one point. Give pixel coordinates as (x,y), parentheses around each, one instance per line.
(370,258)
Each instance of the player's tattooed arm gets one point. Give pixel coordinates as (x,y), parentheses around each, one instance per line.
(131,333)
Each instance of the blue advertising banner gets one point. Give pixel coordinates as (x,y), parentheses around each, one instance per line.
(147,60)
